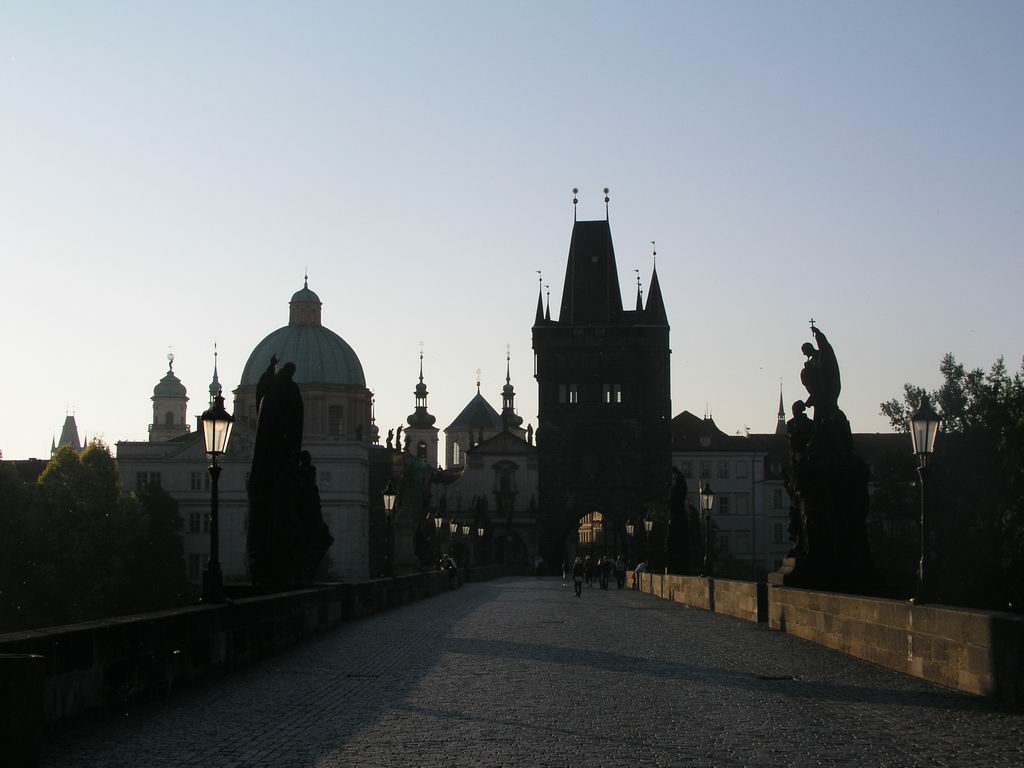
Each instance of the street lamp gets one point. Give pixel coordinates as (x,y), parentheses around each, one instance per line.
(924,428)
(707,504)
(389,510)
(648,527)
(438,522)
(217,424)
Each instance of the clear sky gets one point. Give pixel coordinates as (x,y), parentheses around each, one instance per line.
(168,170)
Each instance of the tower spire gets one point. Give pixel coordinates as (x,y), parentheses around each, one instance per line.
(575,200)
(215,387)
(510,420)
(780,426)
(540,299)
(606,203)
(547,311)
(639,292)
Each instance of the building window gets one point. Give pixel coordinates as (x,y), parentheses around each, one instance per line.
(335,419)
(606,393)
(421,450)
(777,533)
(324,479)
(168,419)
(776,498)
(723,503)
(723,542)
(574,395)
(199,481)
(741,468)
(193,522)
(723,470)
(193,566)
(562,394)
(742,503)
(686,470)
(456,453)
(705,470)
(144,480)
(742,542)
(616,393)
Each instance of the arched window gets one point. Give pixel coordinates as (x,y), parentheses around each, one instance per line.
(456,453)
(421,450)
(169,419)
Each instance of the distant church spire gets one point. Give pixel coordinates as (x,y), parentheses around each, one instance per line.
(215,387)
(656,314)
(547,310)
(575,199)
(639,292)
(780,427)
(509,418)
(421,418)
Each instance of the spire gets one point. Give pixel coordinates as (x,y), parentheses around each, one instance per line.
(478,381)
(575,191)
(780,427)
(420,417)
(591,294)
(215,387)
(639,293)
(606,203)
(510,420)
(540,300)
(656,314)
(547,311)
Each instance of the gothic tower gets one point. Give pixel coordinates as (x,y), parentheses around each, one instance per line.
(604,441)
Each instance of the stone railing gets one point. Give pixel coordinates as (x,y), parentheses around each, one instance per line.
(980,652)
(74,669)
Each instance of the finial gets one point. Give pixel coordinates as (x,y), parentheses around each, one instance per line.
(170,360)
(508,358)
(305,277)
(540,279)
(575,191)
(478,381)
(606,203)
(654,253)
(421,362)
(812,323)
(639,283)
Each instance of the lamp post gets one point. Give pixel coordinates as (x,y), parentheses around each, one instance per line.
(648,527)
(469,545)
(707,504)
(924,428)
(438,522)
(217,424)
(389,510)
(630,529)
(480,554)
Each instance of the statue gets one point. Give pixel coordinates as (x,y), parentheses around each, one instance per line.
(826,482)
(677,542)
(391,437)
(285,544)
(398,439)
(529,433)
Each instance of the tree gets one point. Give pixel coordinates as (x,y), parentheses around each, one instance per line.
(976,485)
(75,548)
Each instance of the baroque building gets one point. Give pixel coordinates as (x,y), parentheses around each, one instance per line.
(337,431)
(603,437)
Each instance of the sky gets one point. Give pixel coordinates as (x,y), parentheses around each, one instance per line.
(168,172)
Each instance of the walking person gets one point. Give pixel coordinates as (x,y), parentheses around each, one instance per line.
(588,571)
(577,576)
(565,572)
(620,572)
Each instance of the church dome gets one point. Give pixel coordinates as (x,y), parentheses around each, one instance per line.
(170,385)
(320,355)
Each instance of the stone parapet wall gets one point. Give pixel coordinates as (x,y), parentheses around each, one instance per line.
(981,652)
(111,662)
(746,600)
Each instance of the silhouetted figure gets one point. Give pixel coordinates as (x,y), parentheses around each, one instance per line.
(398,439)
(677,541)
(390,440)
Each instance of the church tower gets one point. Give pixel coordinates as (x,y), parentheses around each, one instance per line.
(421,433)
(604,440)
(510,420)
(169,405)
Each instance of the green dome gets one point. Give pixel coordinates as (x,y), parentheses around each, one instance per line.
(169,386)
(320,355)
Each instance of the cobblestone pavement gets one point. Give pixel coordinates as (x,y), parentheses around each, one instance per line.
(518,672)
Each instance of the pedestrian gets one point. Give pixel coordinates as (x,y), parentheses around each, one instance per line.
(577,576)
(588,571)
(565,572)
(638,572)
(603,571)
(620,572)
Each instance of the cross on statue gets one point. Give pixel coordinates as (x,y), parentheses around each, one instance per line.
(812,323)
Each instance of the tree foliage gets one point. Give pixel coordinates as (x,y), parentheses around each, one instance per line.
(74,548)
(976,482)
